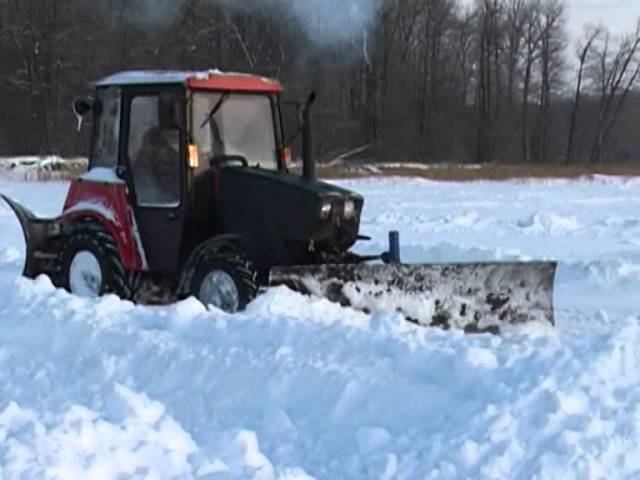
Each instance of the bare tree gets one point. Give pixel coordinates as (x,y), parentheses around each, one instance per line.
(427,80)
(552,44)
(583,50)
(532,38)
(614,72)
(486,86)
(516,18)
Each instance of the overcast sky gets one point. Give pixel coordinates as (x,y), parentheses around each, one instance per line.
(619,16)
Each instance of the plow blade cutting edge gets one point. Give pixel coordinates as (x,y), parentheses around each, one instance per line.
(475,297)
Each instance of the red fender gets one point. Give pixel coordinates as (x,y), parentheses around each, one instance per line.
(108,203)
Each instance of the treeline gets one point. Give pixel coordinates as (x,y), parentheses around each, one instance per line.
(422,80)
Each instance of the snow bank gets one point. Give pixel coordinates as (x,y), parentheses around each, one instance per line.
(549,223)
(331,393)
(41,168)
(83,444)
(298,388)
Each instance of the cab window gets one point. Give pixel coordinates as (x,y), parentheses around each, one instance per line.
(154,155)
(107,128)
(241,124)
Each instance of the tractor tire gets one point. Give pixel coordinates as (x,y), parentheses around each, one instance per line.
(90,264)
(227,280)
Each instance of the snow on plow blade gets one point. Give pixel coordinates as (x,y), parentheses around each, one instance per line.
(475,297)
(35,231)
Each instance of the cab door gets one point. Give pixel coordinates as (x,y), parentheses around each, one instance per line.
(156,170)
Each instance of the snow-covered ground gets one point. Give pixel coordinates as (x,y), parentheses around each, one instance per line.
(36,168)
(297,388)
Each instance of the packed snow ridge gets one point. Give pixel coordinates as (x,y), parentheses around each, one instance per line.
(299,388)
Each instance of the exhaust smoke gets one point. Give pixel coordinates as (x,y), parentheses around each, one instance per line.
(325,22)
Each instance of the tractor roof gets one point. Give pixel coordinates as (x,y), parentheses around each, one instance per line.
(207,80)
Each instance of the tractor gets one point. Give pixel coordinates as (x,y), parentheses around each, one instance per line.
(190,192)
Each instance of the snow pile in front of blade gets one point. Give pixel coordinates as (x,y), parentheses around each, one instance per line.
(472,296)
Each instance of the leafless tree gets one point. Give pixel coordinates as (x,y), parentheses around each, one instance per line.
(532,38)
(552,45)
(424,80)
(583,50)
(613,72)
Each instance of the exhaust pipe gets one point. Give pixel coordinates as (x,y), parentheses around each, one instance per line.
(308,159)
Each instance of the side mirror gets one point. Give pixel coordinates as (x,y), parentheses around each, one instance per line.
(81,106)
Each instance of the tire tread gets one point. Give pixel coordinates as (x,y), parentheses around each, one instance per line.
(94,234)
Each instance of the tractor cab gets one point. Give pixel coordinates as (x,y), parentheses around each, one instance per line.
(163,129)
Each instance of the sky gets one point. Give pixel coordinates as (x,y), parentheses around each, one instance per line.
(619,16)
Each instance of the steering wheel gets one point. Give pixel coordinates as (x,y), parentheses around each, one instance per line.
(220,160)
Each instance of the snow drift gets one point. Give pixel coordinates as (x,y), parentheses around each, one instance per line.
(299,388)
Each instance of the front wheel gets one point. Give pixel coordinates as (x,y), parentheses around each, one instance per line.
(90,264)
(227,281)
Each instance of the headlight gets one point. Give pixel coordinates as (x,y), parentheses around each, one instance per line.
(349,209)
(325,210)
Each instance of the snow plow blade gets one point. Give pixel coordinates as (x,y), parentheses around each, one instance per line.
(35,230)
(475,297)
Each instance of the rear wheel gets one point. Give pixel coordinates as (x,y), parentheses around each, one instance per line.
(90,264)
(226,280)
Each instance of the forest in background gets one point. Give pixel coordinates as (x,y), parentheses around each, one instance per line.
(431,81)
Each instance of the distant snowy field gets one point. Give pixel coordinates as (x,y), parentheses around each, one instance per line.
(297,388)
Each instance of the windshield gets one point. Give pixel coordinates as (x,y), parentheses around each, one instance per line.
(241,125)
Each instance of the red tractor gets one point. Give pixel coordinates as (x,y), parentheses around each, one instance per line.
(189,193)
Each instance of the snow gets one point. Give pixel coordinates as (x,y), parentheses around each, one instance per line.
(82,444)
(550,223)
(102,174)
(147,76)
(162,76)
(97,207)
(34,168)
(299,388)
(85,275)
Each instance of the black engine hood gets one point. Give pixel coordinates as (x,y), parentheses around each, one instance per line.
(280,214)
